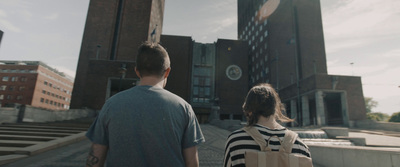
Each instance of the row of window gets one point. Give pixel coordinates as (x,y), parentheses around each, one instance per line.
(56,87)
(12,88)
(56,79)
(54,103)
(14,79)
(201,100)
(17,71)
(10,97)
(55,95)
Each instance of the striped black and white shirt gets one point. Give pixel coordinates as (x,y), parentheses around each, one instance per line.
(239,142)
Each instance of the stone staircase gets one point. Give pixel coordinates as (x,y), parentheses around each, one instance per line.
(20,140)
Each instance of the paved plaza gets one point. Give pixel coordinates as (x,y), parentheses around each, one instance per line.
(210,153)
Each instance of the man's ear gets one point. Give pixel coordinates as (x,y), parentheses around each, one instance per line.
(137,73)
(167,71)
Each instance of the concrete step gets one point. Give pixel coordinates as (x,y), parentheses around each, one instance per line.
(8,150)
(26,138)
(34,133)
(72,123)
(17,143)
(39,130)
(42,127)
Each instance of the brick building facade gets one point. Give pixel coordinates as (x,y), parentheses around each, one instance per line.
(113,32)
(34,83)
(287,50)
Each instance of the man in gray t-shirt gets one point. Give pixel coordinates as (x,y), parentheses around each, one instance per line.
(146,125)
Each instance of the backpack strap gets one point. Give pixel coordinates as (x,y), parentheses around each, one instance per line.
(288,141)
(256,135)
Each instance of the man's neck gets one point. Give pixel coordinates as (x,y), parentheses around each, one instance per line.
(152,81)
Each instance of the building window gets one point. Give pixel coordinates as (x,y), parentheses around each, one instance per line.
(195,90)
(19,97)
(9,97)
(42,100)
(43,91)
(3,87)
(265,33)
(1,97)
(24,79)
(48,93)
(50,84)
(14,79)
(5,79)
(11,88)
(21,88)
(51,102)
(45,82)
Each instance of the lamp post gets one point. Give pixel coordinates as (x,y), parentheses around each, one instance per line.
(295,42)
(352,69)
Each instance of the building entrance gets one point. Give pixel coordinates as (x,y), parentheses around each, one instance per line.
(116,85)
(333,109)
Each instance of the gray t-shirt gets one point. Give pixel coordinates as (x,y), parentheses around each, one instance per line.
(146,126)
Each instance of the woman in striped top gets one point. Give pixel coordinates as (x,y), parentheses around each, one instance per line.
(262,108)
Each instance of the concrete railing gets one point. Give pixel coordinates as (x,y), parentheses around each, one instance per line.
(32,114)
(370,124)
(350,156)
(9,115)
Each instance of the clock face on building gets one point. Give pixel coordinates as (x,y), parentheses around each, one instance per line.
(233,72)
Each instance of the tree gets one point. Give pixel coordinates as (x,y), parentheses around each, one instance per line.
(378,116)
(370,104)
(395,117)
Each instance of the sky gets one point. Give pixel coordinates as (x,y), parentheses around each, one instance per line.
(362,37)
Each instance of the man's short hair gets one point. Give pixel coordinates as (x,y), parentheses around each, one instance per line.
(152,59)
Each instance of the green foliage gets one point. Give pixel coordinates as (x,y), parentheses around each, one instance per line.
(378,116)
(370,104)
(395,117)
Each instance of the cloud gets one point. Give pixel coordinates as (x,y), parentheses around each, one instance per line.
(3,13)
(27,15)
(366,21)
(53,16)
(220,25)
(5,24)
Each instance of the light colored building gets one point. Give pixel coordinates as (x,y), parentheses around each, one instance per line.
(34,83)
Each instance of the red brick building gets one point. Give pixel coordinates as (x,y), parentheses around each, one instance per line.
(113,32)
(34,83)
(287,50)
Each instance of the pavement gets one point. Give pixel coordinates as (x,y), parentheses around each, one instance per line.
(71,150)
